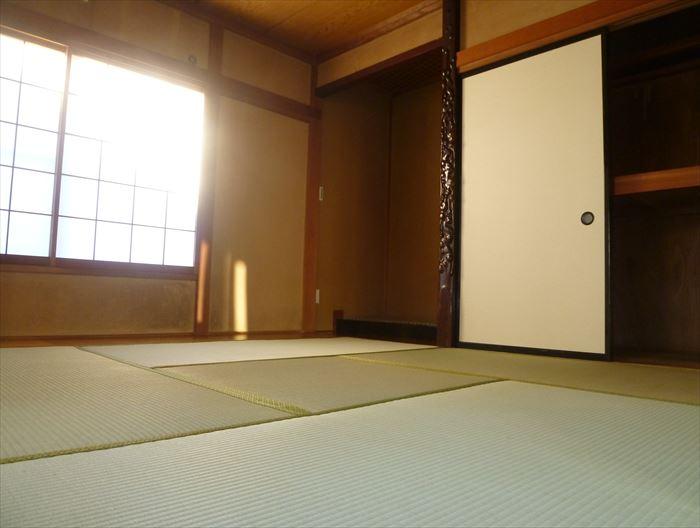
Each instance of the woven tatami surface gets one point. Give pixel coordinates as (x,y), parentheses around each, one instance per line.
(503,454)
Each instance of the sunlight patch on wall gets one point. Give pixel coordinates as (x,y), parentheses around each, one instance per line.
(240,296)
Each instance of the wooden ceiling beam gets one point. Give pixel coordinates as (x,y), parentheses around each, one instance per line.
(596,15)
(233,24)
(367,73)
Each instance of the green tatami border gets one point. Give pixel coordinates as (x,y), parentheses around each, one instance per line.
(510,378)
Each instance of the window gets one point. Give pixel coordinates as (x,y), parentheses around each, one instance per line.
(116,180)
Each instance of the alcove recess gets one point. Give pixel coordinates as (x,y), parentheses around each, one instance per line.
(653,154)
(379,220)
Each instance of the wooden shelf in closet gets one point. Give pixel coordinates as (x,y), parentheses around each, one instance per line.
(681,178)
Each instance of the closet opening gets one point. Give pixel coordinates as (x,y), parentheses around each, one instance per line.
(653,157)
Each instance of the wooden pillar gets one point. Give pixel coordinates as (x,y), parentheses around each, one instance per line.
(205,213)
(449,136)
(312,219)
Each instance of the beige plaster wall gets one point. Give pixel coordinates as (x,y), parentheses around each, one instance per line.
(258,220)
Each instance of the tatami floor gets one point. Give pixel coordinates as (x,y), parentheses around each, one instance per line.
(342,432)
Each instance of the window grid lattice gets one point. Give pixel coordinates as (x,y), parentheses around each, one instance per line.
(108,210)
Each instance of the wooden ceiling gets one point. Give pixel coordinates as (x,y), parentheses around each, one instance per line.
(318,28)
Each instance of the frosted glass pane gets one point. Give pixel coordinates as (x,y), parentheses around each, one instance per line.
(115,202)
(5,183)
(151,171)
(29,234)
(7,143)
(9,100)
(78,197)
(147,245)
(149,207)
(113,242)
(35,149)
(3,230)
(179,248)
(182,211)
(75,238)
(44,66)
(32,191)
(81,157)
(11,52)
(118,164)
(85,116)
(39,107)
(88,76)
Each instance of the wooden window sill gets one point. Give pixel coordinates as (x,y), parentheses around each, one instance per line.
(25,264)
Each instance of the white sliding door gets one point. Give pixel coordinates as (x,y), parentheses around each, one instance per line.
(532,274)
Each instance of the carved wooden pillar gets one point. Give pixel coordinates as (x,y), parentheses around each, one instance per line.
(446,328)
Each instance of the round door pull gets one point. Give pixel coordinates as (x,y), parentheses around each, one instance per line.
(587,218)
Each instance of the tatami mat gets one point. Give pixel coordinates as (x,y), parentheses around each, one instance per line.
(644,381)
(503,454)
(170,354)
(322,383)
(60,399)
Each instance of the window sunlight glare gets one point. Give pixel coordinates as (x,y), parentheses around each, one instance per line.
(131,160)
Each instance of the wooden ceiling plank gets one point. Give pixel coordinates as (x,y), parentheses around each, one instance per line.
(302,6)
(306,28)
(313,28)
(260,15)
(406,16)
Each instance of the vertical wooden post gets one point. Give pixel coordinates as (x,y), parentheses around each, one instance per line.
(447,335)
(205,213)
(311,227)
(61,138)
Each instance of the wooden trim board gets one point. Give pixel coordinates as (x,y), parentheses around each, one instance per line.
(575,22)
(129,339)
(273,102)
(343,82)
(22,264)
(424,334)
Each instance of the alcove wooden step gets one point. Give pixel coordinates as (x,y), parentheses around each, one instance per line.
(402,331)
